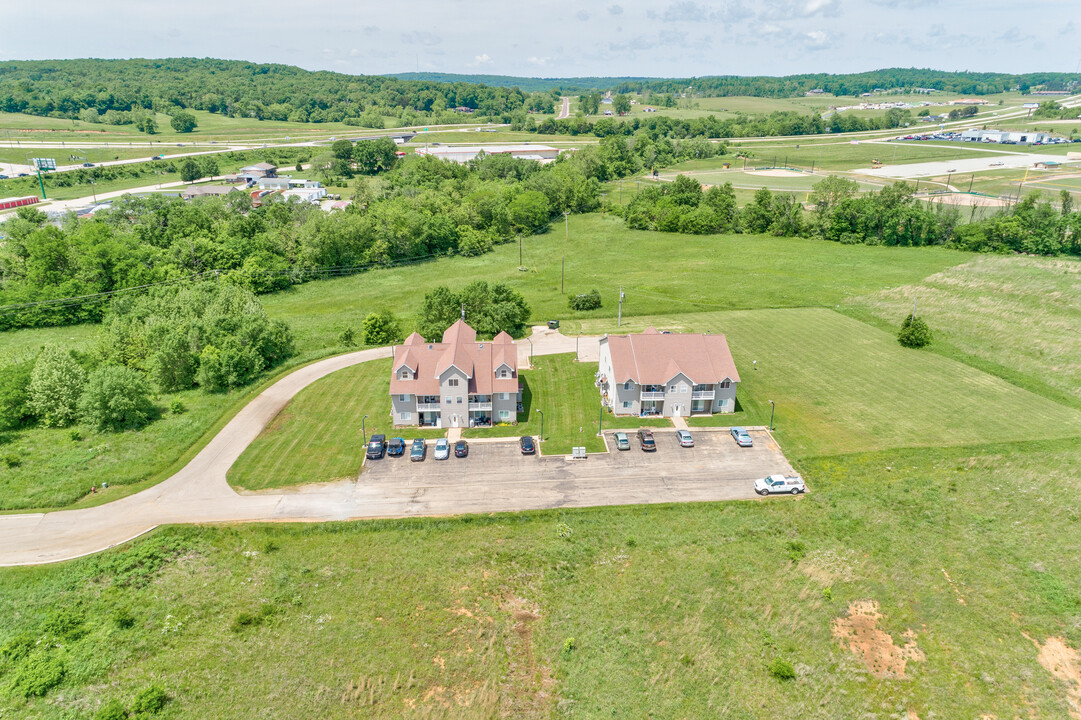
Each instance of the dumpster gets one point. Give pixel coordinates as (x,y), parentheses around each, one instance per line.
(553,324)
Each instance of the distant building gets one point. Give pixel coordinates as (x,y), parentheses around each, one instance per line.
(648,109)
(816,91)
(195,191)
(464,110)
(464,154)
(1049,92)
(251,173)
(306,194)
(1047,165)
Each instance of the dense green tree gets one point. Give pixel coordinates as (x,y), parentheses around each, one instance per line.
(621,104)
(381,328)
(342,149)
(374,156)
(529,212)
(15,395)
(116,398)
(183,122)
(56,383)
(190,171)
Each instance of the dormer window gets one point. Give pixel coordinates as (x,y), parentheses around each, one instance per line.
(405,374)
(453,382)
(503,373)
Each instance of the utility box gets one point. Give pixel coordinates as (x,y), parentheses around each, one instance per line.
(553,324)
(578,453)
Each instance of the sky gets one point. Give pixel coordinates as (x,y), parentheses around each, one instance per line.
(558,38)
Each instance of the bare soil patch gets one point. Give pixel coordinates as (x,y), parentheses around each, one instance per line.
(1064,664)
(860,634)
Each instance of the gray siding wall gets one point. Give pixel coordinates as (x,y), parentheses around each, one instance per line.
(397,407)
(454,400)
(510,405)
(725,398)
(677,391)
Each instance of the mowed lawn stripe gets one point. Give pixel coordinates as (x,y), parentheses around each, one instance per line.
(843,386)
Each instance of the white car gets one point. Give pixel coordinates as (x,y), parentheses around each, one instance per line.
(442,449)
(685,439)
(780,484)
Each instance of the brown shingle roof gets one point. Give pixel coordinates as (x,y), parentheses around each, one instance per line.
(478,360)
(653,358)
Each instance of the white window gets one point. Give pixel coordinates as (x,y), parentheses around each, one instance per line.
(403,398)
(504,396)
(683,388)
(725,385)
(403,416)
(626,403)
(504,415)
(453,382)
(671,388)
(459,399)
(503,373)
(628,385)
(448,399)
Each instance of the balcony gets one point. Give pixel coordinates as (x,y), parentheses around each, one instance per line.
(703,395)
(652,395)
(429,407)
(480,406)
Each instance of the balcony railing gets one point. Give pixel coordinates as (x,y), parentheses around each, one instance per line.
(652,395)
(480,406)
(428,407)
(703,394)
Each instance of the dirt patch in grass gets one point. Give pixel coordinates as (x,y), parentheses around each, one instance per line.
(1064,664)
(860,634)
(828,566)
(528,688)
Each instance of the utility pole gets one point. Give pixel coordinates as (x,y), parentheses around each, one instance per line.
(914,308)
(600,419)
(563,262)
(619,318)
(463,311)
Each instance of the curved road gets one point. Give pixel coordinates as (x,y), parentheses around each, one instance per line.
(199,493)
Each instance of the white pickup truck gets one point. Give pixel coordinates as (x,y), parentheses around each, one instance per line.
(780,484)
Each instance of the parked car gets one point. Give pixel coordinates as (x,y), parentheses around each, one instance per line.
(527,445)
(418,451)
(377,446)
(396,447)
(442,449)
(4,177)
(645,439)
(780,484)
(743,438)
(622,442)
(88,164)
(685,439)
(461,449)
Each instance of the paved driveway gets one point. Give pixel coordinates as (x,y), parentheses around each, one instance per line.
(495,478)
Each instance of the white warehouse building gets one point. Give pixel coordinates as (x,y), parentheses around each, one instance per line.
(464,154)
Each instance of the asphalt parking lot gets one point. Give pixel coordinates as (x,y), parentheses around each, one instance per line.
(496,476)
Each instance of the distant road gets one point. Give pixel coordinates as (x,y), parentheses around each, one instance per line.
(566,111)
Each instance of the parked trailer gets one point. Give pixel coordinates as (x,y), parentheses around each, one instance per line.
(12,203)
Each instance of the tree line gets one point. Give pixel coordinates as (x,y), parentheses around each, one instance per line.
(778,123)
(424,207)
(213,336)
(892,216)
(66,88)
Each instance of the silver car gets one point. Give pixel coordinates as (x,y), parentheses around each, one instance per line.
(685,439)
(743,438)
(442,449)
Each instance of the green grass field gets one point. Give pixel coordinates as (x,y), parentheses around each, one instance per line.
(715,272)
(317,437)
(1018,315)
(679,609)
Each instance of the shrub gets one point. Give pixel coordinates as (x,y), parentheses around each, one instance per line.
(782,669)
(914,333)
(12,460)
(381,328)
(14,395)
(55,386)
(245,620)
(37,675)
(177,407)
(796,550)
(116,398)
(150,700)
(112,710)
(347,338)
(67,623)
(568,646)
(563,530)
(75,436)
(123,619)
(588,301)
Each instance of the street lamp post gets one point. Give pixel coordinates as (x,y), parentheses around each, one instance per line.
(772,408)
(600,419)
(530,351)
(542,425)
(364,430)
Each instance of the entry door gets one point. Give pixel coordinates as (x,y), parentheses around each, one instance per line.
(675,410)
(454,421)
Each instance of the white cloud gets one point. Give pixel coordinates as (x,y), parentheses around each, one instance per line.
(538,60)
(482,59)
